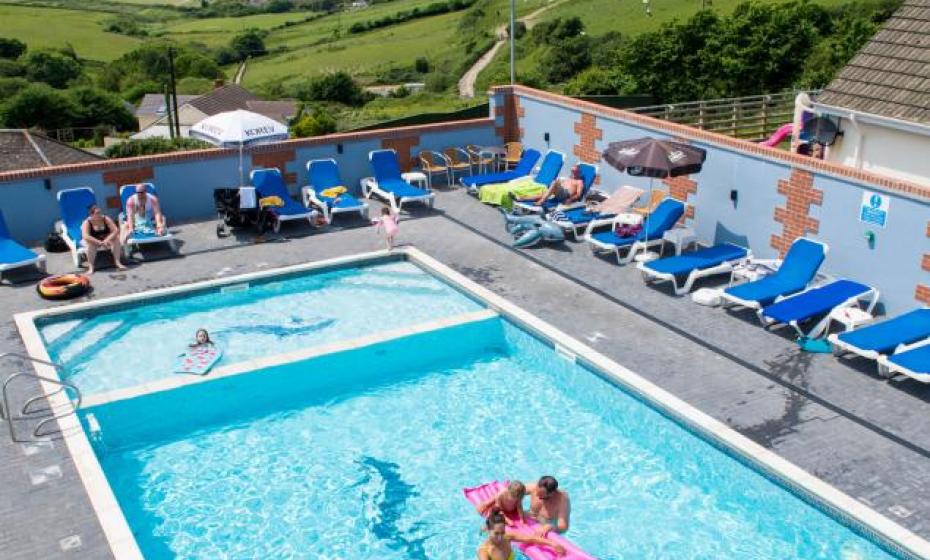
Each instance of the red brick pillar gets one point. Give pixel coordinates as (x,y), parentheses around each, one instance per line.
(120,177)
(588,135)
(799,193)
(404,148)
(277,159)
(922,293)
(512,113)
(680,188)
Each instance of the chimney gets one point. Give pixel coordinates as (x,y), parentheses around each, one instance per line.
(218,83)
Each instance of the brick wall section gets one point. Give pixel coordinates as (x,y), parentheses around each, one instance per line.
(680,188)
(799,193)
(120,177)
(512,113)
(278,159)
(922,293)
(588,135)
(404,148)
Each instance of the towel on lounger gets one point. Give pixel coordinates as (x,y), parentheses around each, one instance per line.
(498,193)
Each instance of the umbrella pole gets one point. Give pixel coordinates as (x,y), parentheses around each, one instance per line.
(241,179)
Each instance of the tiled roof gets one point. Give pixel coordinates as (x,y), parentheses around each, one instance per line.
(890,76)
(22,149)
(154,103)
(225,98)
(280,110)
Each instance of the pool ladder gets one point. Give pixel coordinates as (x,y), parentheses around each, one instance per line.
(28,412)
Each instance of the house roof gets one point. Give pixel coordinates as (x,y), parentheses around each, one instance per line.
(24,149)
(224,98)
(281,110)
(890,75)
(154,104)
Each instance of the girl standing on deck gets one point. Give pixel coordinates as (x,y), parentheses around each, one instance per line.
(388,224)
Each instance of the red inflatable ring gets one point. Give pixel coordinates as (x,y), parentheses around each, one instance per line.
(63,286)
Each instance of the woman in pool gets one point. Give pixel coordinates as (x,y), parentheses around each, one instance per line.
(498,547)
(509,502)
(202,339)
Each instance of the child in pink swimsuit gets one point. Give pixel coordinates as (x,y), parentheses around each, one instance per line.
(387,223)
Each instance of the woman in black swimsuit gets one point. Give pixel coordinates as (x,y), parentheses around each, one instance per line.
(100,232)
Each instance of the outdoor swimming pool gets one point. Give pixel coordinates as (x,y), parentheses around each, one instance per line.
(135,344)
(363,454)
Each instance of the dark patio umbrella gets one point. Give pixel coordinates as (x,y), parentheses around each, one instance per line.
(648,157)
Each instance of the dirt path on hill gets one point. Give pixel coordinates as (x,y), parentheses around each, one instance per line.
(467,82)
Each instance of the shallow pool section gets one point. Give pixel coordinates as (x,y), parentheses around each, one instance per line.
(363,454)
(132,345)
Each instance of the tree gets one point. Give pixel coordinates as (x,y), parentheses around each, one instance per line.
(597,81)
(148,146)
(315,123)
(10,68)
(11,86)
(50,67)
(566,58)
(94,107)
(337,86)
(249,43)
(149,63)
(38,105)
(11,48)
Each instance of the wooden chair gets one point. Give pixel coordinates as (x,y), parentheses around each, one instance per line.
(459,162)
(432,164)
(482,164)
(514,151)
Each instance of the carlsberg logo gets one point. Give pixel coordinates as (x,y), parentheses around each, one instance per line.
(676,156)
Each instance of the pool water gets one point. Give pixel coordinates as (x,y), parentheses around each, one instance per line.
(138,344)
(363,455)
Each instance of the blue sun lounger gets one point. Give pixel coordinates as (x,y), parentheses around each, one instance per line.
(389,184)
(817,303)
(13,255)
(691,267)
(523,168)
(912,361)
(323,174)
(137,239)
(797,270)
(588,175)
(872,341)
(664,218)
(269,182)
(73,204)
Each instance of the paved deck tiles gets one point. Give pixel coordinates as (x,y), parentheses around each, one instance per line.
(836,419)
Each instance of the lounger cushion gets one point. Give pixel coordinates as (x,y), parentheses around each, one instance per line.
(73,205)
(698,260)
(345,200)
(401,189)
(268,182)
(577,216)
(815,302)
(916,360)
(523,169)
(12,252)
(798,268)
(884,337)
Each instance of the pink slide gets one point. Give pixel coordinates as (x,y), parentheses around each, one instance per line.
(486,491)
(783,132)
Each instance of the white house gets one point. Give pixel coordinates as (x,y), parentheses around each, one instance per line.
(881,100)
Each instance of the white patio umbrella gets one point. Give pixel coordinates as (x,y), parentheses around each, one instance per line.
(239,129)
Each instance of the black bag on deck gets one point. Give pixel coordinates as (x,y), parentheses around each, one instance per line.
(55,244)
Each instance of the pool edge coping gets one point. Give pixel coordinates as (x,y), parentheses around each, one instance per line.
(123,544)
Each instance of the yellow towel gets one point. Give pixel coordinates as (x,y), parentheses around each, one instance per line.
(274,201)
(333,192)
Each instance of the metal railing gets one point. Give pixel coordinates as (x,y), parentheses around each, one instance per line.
(754,117)
(26,412)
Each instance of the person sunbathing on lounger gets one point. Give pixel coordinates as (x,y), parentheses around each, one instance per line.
(143,214)
(565,189)
(549,505)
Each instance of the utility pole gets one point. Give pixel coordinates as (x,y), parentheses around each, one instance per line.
(513,31)
(174,93)
(168,111)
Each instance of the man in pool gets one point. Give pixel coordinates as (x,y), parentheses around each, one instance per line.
(548,505)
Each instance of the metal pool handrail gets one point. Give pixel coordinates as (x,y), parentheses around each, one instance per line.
(25,413)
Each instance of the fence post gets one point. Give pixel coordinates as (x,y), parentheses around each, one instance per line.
(733,119)
(701,107)
(765,116)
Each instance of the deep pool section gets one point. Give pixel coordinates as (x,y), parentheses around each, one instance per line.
(363,455)
(124,347)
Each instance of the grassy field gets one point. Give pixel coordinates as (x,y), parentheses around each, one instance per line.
(363,55)
(385,108)
(55,27)
(218,31)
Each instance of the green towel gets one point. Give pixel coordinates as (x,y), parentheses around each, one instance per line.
(521,188)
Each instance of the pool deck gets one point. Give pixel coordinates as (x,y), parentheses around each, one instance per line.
(834,418)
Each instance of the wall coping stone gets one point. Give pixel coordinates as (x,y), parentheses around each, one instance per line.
(196,155)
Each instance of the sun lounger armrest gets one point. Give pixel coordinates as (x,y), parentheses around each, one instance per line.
(912,346)
(596,224)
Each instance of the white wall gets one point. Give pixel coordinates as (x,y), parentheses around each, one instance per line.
(884,150)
